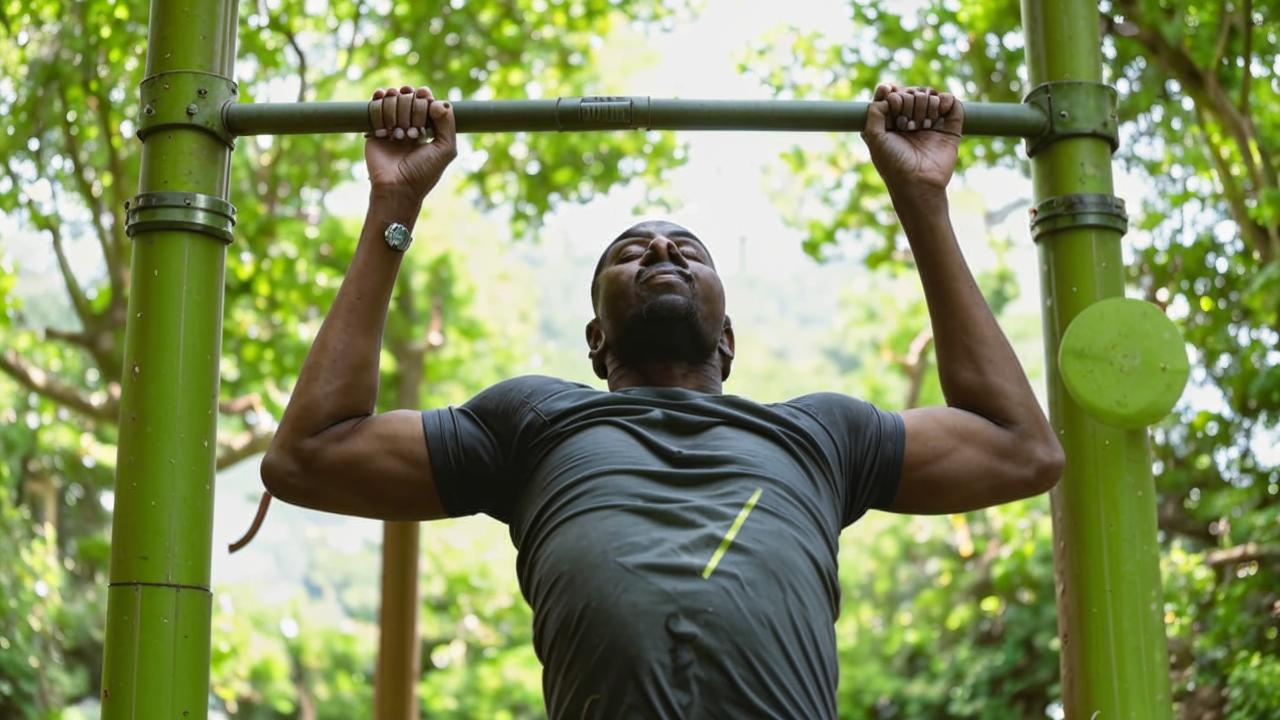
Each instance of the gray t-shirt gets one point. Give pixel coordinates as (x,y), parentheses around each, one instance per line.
(651,597)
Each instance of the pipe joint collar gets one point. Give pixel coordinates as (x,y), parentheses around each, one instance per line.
(182,211)
(1080,210)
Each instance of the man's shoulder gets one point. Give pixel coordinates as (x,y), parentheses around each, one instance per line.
(532,388)
(822,401)
(536,383)
(831,407)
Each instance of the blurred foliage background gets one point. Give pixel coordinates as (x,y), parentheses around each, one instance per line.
(942,617)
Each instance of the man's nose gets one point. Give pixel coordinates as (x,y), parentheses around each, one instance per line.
(664,249)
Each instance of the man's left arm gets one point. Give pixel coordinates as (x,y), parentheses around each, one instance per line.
(992,443)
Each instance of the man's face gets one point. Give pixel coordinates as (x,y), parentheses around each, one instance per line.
(658,297)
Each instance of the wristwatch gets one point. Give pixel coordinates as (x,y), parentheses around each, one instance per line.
(397,237)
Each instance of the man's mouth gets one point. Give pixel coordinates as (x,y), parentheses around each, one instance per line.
(671,271)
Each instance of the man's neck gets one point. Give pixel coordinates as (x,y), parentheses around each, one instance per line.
(701,377)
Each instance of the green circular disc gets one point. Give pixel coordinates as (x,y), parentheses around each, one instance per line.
(1124,362)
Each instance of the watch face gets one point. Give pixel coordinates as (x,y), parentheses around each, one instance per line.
(397,236)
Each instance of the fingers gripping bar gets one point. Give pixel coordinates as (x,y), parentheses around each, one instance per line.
(622,113)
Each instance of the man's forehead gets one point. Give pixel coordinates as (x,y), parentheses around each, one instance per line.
(653,228)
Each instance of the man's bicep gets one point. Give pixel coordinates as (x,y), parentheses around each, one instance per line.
(375,467)
(956,461)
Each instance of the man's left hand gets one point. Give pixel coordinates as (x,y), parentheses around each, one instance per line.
(919,157)
(399,164)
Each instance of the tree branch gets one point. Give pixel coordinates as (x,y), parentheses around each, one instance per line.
(434,339)
(78,299)
(233,449)
(99,105)
(1220,47)
(1201,86)
(355,35)
(435,330)
(79,302)
(117,262)
(915,363)
(997,216)
(242,446)
(1269,172)
(95,338)
(1171,519)
(1254,233)
(241,405)
(1204,89)
(93,202)
(1246,553)
(71,337)
(1246,16)
(49,224)
(302,59)
(65,394)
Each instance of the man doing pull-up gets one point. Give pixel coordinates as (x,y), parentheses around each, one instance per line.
(677,544)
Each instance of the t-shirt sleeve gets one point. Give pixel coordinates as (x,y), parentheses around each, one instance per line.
(476,448)
(868,444)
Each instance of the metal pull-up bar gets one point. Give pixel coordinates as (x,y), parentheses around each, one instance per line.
(622,113)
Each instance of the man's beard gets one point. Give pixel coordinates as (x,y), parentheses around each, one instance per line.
(666,329)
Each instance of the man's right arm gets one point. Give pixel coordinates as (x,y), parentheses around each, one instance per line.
(992,443)
(332,451)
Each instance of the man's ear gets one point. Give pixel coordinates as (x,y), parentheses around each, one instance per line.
(596,349)
(725,349)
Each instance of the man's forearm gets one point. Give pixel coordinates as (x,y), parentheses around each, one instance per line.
(977,367)
(339,379)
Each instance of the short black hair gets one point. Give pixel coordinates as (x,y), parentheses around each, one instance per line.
(630,233)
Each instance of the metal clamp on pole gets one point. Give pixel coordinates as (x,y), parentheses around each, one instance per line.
(149,212)
(186,99)
(602,112)
(1074,109)
(1066,212)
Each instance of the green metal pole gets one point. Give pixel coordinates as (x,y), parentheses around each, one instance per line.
(1114,659)
(156,661)
(621,113)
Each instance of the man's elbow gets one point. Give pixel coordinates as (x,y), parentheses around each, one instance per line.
(281,473)
(1045,466)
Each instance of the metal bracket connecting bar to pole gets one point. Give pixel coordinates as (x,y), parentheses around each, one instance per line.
(186,99)
(1074,109)
(623,113)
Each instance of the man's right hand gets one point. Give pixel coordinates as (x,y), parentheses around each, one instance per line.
(401,163)
(913,134)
